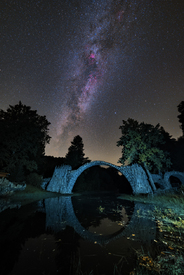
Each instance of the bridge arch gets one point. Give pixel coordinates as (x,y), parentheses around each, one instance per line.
(76,173)
(176,174)
(64,177)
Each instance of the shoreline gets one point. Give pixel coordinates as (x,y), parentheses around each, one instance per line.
(29,195)
(32,194)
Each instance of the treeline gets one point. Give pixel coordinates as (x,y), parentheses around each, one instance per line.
(151,146)
(24,135)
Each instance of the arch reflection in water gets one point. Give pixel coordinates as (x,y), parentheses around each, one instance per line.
(60,213)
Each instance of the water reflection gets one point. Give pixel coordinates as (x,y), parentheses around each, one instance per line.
(93,212)
(64,234)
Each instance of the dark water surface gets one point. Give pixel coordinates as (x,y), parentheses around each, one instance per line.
(75,235)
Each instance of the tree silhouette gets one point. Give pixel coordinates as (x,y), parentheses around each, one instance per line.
(177,154)
(24,135)
(75,156)
(181,116)
(142,144)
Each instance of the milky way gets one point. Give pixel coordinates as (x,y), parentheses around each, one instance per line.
(109,26)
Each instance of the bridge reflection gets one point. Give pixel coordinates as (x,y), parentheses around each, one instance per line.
(60,213)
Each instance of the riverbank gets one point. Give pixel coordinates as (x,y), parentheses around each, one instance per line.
(28,195)
(170,199)
(31,194)
(168,213)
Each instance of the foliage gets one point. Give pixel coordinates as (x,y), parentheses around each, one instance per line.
(177,154)
(166,200)
(181,116)
(50,163)
(34,179)
(17,173)
(75,156)
(166,263)
(142,144)
(24,135)
(170,254)
(176,147)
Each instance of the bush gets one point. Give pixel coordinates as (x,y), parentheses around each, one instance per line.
(34,179)
(17,174)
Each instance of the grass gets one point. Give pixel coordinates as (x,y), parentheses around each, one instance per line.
(176,199)
(164,264)
(28,195)
(168,213)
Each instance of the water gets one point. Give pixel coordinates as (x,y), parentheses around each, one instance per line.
(75,235)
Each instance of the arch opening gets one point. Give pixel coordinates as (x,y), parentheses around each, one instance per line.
(175,181)
(104,178)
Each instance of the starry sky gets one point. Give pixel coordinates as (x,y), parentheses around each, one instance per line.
(87,65)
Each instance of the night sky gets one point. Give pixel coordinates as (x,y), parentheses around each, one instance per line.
(88,65)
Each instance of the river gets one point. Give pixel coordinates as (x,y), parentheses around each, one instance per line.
(89,234)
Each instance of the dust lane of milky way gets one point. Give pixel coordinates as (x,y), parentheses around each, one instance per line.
(108,27)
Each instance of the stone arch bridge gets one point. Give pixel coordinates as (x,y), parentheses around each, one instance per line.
(163,181)
(179,175)
(64,178)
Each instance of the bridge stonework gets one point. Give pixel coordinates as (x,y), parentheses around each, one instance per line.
(64,178)
(179,175)
(60,179)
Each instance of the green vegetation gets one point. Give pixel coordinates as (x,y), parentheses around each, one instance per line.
(167,263)
(24,135)
(170,256)
(152,146)
(174,200)
(75,156)
(181,116)
(169,216)
(142,144)
(34,179)
(50,163)
(177,154)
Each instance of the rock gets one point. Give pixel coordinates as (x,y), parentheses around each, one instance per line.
(45,183)
(60,179)
(139,179)
(7,187)
(159,181)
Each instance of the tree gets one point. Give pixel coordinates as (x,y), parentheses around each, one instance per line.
(50,163)
(142,144)
(24,135)
(181,116)
(177,154)
(75,156)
